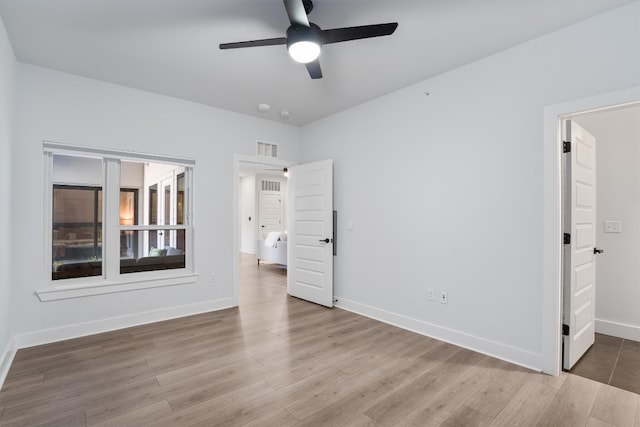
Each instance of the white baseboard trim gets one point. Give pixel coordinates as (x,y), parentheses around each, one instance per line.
(248,251)
(8,354)
(47,336)
(620,330)
(500,351)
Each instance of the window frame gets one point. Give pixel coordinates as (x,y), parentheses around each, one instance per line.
(111,280)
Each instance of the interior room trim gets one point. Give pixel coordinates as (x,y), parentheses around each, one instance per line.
(5,361)
(58,292)
(461,339)
(47,336)
(615,329)
(66,149)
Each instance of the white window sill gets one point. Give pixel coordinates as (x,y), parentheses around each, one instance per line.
(79,288)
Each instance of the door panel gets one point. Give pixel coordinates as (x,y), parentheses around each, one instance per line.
(270,209)
(310,258)
(578,256)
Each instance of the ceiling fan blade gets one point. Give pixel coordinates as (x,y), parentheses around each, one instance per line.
(296,12)
(354,33)
(254,43)
(314,69)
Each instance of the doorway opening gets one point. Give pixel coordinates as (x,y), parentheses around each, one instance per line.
(601,301)
(307,240)
(553,244)
(260,221)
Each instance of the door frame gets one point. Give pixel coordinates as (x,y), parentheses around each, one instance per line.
(237,160)
(551,356)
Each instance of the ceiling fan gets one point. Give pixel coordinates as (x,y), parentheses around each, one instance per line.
(304,39)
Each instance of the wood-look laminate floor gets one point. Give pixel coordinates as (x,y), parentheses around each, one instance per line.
(279,361)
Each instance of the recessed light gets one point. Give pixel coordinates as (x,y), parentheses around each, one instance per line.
(263,108)
(285,114)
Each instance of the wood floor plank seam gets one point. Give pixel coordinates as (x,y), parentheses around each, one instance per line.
(615,363)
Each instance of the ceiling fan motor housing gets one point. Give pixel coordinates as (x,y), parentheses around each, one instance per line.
(297,33)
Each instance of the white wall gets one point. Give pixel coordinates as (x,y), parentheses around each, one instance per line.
(617,134)
(7,93)
(69,109)
(246,209)
(446,191)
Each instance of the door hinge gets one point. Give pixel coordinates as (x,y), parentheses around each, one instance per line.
(566,146)
(565,330)
(566,238)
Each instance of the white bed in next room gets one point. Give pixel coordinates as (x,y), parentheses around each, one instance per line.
(273,248)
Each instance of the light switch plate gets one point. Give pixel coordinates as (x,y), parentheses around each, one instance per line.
(613,226)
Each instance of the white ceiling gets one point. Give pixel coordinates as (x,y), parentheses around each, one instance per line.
(171,46)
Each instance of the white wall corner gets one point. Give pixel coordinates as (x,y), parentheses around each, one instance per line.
(490,348)
(47,336)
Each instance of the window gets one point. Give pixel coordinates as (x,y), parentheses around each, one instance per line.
(116,218)
(160,242)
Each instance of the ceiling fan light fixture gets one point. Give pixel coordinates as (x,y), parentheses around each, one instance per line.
(304,51)
(304,43)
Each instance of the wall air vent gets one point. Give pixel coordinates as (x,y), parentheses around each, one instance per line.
(267,149)
(270,185)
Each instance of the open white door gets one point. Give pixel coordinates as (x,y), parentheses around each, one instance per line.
(579,271)
(310,234)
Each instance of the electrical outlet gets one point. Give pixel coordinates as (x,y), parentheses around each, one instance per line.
(444,297)
(430,294)
(213,277)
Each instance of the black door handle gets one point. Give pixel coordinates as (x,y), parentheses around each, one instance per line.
(597,251)
(327,240)
(264,226)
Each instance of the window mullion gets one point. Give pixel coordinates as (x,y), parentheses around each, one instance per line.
(111,219)
(189,259)
(48,215)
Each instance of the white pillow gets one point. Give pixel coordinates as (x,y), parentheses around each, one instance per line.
(173,251)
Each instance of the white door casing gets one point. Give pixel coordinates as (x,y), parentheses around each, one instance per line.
(579,264)
(270,213)
(310,213)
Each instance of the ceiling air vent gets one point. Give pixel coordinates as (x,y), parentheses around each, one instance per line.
(267,149)
(270,185)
